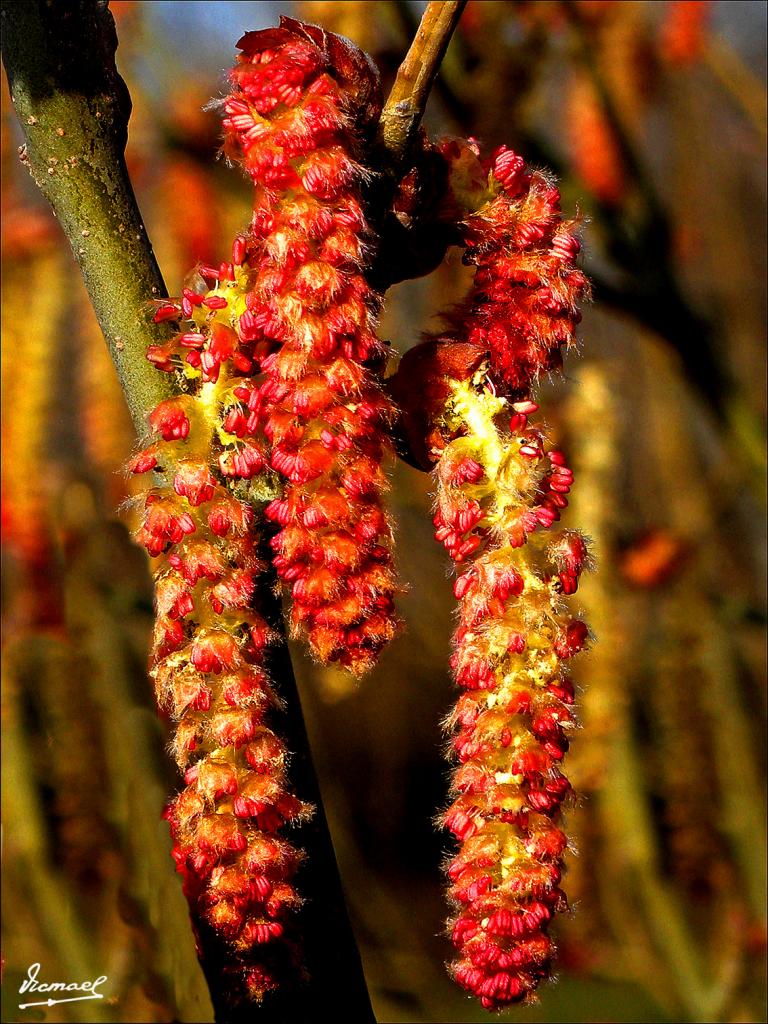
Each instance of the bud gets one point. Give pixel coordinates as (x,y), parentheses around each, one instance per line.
(170,419)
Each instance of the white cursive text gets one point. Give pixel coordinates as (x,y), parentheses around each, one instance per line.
(31,984)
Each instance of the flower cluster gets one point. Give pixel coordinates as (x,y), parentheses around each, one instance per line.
(299,96)
(211,645)
(522,309)
(501,489)
(278,357)
(281,370)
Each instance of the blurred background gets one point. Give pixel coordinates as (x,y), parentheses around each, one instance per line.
(653,115)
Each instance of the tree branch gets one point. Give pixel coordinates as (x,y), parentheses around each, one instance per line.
(405,105)
(402,199)
(74,109)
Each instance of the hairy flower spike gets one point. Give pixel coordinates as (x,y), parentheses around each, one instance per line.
(280,360)
(300,100)
(522,309)
(501,490)
(283,380)
(209,651)
(511,725)
(210,647)
(279,355)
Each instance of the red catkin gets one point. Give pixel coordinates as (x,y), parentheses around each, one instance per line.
(209,655)
(510,728)
(501,491)
(299,100)
(522,309)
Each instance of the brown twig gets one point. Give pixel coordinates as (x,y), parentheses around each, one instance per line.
(402,198)
(405,105)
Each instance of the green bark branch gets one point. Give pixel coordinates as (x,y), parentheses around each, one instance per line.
(74,108)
